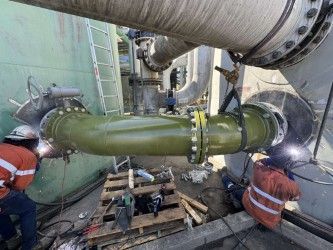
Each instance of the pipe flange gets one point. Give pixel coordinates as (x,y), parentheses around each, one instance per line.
(54,115)
(205,139)
(315,38)
(312,11)
(274,116)
(150,63)
(199,138)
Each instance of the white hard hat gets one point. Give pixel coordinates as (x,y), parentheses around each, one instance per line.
(23,132)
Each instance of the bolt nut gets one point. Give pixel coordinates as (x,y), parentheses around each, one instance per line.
(194,130)
(76,108)
(312,12)
(69,151)
(317,39)
(61,112)
(262,60)
(290,44)
(326,26)
(83,110)
(68,109)
(193,121)
(192,114)
(266,116)
(302,30)
(276,54)
(76,151)
(194,139)
(51,140)
(239,129)
(194,149)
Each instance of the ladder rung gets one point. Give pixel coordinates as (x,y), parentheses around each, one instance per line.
(107,80)
(110,111)
(108,96)
(98,29)
(101,47)
(104,64)
(123,162)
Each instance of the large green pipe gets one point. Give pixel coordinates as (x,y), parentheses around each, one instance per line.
(196,136)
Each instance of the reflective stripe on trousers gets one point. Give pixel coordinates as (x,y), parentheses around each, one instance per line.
(267,196)
(261,206)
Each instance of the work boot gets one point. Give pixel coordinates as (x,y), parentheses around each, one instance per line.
(14,242)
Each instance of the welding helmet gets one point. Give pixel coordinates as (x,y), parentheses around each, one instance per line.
(280,157)
(23,132)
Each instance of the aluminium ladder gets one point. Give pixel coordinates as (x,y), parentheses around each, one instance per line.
(101,82)
(108,65)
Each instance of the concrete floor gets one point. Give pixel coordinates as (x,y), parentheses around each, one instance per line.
(257,240)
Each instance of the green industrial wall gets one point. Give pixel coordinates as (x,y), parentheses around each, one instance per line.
(54,48)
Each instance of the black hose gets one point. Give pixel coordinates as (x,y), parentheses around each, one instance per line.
(217,213)
(323,122)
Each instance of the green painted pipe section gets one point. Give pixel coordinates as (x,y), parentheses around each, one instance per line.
(154,135)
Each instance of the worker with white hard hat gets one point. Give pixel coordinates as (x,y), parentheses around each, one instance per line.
(18,161)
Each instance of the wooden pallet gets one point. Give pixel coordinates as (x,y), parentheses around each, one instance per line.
(144,227)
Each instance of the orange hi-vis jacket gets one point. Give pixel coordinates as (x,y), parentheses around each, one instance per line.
(17,168)
(267,194)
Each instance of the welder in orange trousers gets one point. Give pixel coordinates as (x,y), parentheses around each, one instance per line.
(18,162)
(270,188)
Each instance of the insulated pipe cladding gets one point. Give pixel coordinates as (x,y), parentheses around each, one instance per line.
(196,135)
(270,34)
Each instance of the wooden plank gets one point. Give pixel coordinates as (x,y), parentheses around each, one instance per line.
(190,210)
(124,242)
(124,175)
(119,184)
(130,179)
(107,196)
(144,239)
(122,183)
(193,202)
(145,220)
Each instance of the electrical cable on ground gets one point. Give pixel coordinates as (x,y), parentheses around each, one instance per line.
(218,214)
(247,235)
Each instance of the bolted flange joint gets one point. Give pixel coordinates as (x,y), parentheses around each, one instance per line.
(199,139)
(150,62)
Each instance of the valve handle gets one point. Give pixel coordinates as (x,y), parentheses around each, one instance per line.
(35,102)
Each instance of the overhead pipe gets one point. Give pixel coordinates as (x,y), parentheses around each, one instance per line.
(182,61)
(196,136)
(273,28)
(202,68)
(163,50)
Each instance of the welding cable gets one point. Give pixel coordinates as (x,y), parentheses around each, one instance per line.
(303,177)
(54,223)
(304,163)
(247,235)
(277,27)
(246,164)
(201,195)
